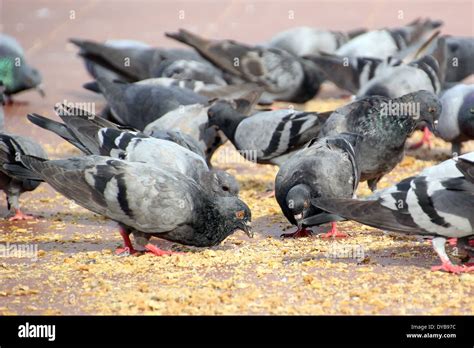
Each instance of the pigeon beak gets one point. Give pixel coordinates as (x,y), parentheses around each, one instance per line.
(40,89)
(299,219)
(247,228)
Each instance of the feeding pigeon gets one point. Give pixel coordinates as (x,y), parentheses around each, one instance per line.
(437,207)
(456,122)
(140,63)
(208,90)
(383,43)
(267,137)
(193,120)
(137,147)
(282,75)
(326,168)
(13,186)
(351,73)
(15,73)
(145,200)
(425,73)
(460,53)
(138,105)
(301,41)
(385,125)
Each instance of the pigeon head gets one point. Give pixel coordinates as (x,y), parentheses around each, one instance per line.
(221,183)
(223,115)
(298,200)
(425,106)
(235,215)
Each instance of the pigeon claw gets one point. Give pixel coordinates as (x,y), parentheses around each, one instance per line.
(447,266)
(125,251)
(334,233)
(425,140)
(19,215)
(300,233)
(152,249)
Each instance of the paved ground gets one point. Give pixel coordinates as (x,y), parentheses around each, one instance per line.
(76,271)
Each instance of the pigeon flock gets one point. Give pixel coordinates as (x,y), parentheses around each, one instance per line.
(146,160)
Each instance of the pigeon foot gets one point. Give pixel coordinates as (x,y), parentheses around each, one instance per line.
(447,266)
(334,232)
(19,215)
(158,252)
(300,233)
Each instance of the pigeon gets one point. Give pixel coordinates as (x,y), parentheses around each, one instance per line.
(351,73)
(138,105)
(193,120)
(137,147)
(283,76)
(456,122)
(13,185)
(385,125)
(183,139)
(139,63)
(460,53)
(96,70)
(267,137)
(327,167)
(425,73)
(383,43)
(15,73)
(301,41)
(421,205)
(145,200)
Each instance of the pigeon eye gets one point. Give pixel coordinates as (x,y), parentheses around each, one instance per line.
(240,214)
(225,188)
(431,109)
(306,205)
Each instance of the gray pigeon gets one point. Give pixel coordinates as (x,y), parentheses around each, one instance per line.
(96,70)
(385,125)
(193,120)
(456,122)
(326,168)
(460,62)
(421,205)
(301,41)
(10,147)
(137,147)
(425,73)
(138,105)
(268,137)
(15,73)
(139,63)
(282,75)
(145,200)
(383,43)
(183,139)
(351,73)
